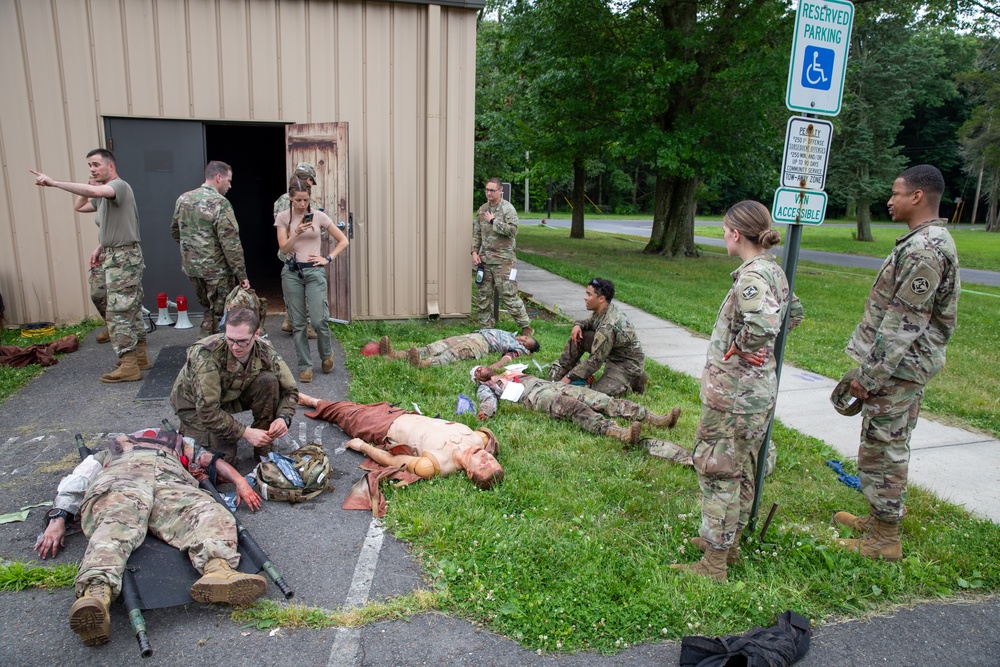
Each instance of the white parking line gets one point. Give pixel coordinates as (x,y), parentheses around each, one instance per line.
(344,652)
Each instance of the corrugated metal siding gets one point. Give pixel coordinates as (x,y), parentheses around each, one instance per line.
(402,76)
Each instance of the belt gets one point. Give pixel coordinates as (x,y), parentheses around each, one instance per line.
(305,265)
(124,246)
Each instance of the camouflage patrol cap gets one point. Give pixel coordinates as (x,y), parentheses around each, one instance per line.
(305,170)
(841,397)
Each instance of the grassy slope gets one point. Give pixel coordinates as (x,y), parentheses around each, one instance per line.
(570,551)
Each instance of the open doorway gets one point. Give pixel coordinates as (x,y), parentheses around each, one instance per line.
(256,152)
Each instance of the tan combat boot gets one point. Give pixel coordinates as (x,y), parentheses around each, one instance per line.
(669,420)
(221,583)
(104,336)
(141,357)
(310,332)
(286,326)
(328,364)
(89,616)
(413,354)
(527,331)
(712,564)
(732,557)
(629,436)
(882,541)
(128,371)
(862,524)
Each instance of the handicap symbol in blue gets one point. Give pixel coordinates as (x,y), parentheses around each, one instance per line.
(817,68)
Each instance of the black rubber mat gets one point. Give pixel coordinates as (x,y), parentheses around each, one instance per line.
(159,380)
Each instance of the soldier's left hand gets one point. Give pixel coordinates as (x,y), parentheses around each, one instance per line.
(858,390)
(753,358)
(246,494)
(53,539)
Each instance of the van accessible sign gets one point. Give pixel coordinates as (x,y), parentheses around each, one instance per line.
(798,207)
(819,56)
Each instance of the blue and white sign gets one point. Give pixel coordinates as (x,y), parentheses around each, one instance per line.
(798,207)
(819,56)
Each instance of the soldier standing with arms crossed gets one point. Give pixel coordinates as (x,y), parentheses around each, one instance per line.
(118,243)
(204,225)
(493,246)
(899,345)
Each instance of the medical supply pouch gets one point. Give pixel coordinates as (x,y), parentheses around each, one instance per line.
(311,464)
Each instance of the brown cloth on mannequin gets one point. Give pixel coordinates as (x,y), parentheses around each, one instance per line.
(39,353)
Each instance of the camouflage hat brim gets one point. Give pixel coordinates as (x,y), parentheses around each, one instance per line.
(841,397)
(305,170)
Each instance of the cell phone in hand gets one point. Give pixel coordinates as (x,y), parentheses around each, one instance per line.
(307,218)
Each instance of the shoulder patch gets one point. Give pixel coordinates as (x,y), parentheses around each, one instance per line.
(919,285)
(749,292)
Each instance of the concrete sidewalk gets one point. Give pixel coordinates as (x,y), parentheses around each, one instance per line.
(957,465)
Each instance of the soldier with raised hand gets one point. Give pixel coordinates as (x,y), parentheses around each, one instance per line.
(611,341)
(899,345)
(205,226)
(739,386)
(119,256)
(494,248)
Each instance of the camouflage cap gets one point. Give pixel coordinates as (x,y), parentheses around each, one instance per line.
(305,170)
(841,397)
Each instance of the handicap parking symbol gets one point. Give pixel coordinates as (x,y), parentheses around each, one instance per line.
(817,68)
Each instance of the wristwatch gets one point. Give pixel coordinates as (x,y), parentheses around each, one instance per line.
(287,419)
(329,259)
(56,512)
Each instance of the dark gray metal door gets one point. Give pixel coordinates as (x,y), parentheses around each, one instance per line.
(160,159)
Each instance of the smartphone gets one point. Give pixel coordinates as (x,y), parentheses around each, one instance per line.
(307,218)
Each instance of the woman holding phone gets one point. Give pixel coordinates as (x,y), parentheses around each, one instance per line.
(303,278)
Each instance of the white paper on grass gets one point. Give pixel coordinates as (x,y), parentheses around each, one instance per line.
(517,368)
(512,392)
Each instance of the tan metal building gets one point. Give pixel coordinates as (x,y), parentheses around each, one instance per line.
(385,90)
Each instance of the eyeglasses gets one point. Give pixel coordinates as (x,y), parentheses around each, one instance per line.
(233,342)
(491,191)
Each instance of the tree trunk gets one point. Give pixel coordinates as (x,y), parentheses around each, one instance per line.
(579,182)
(673,218)
(864,220)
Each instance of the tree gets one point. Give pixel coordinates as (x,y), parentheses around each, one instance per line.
(980,135)
(891,69)
(704,88)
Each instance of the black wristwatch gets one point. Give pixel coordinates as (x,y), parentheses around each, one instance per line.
(287,419)
(57,512)
(329,259)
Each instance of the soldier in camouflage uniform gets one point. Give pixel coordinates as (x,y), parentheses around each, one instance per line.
(493,246)
(900,344)
(229,373)
(305,173)
(144,481)
(117,219)
(739,386)
(204,225)
(588,409)
(475,345)
(611,342)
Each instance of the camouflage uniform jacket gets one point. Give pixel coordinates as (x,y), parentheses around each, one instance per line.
(750,317)
(205,226)
(495,241)
(284,202)
(212,378)
(911,311)
(489,393)
(503,342)
(73,486)
(615,341)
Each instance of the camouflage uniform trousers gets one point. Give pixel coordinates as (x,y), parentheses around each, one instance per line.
(616,378)
(262,398)
(98,288)
(123,267)
(510,300)
(585,407)
(890,413)
(212,295)
(456,348)
(149,489)
(725,457)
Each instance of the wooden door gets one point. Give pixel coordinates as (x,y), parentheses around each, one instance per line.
(324,145)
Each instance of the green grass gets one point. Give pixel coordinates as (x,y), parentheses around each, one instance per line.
(267,614)
(570,551)
(689,291)
(12,379)
(977,249)
(17,576)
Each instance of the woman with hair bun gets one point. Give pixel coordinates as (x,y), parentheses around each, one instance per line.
(739,386)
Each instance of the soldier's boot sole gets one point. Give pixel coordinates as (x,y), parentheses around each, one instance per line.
(89,618)
(413,354)
(235,588)
(385,347)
